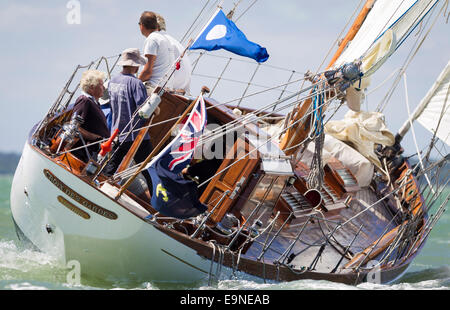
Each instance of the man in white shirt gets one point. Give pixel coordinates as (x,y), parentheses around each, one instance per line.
(181,80)
(156,50)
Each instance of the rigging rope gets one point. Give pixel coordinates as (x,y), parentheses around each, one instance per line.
(340,34)
(267,88)
(244,61)
(316,174)
(224,126)
(195,20)
(256,149)
(382,105)
(253,3)
(210,11)
(414,133)
(213,135)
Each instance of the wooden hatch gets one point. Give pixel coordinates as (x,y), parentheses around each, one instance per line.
(232,179)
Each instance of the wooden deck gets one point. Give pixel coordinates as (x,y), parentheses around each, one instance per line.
(316,241)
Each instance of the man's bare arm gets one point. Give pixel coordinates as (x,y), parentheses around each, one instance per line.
(148,68)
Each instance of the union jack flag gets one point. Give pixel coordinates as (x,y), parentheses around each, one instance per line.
(172,194)
(184,144)
(178,154)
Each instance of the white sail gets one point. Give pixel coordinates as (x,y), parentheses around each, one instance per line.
(433,113)
(392,20)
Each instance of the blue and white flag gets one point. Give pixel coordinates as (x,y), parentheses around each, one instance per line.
(221,32)
(172,194)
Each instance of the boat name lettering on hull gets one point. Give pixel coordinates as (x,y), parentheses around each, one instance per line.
(73,208)
(78,198)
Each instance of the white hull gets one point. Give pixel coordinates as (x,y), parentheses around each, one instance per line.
(123,248)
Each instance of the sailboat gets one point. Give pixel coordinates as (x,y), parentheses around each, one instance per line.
(296,196)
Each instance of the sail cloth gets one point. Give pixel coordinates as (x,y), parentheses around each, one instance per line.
(399,16)
(385,28)
(173,195)
(434,109)
(362,130)
(222,33)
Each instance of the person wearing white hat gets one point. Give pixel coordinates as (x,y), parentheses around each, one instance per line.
(127,93)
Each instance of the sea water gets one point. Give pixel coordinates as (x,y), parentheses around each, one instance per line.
(22,268)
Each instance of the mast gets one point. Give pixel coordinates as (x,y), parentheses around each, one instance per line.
(297,133)
(353,30)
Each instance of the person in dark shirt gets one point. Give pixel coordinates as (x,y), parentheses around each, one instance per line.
(127,93)
(94,126)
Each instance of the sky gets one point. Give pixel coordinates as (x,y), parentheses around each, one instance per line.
(42,43)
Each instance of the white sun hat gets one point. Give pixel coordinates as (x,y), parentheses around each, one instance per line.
(131,57)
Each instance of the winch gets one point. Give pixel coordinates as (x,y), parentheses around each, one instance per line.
(68,135)
(228,222)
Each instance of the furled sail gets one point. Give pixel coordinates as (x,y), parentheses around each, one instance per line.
(385,28)
(433,112)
